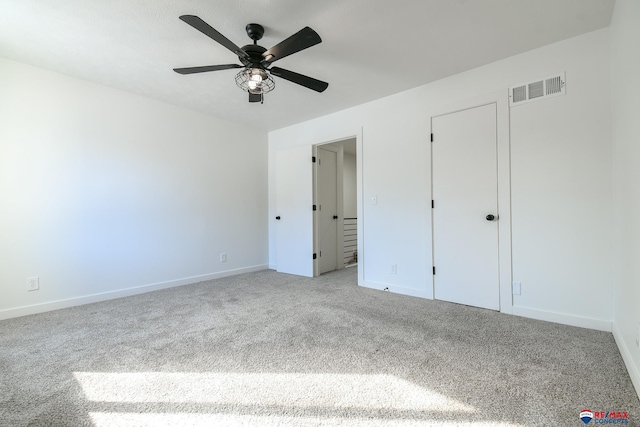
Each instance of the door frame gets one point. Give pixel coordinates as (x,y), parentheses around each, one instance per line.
(501,99)
(339,150)
(330,137)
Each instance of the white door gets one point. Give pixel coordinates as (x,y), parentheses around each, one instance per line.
(465,194)
(327,209)
(294,211)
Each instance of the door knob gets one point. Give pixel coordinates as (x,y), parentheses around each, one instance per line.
(491,217)
(335,217)
(278,217)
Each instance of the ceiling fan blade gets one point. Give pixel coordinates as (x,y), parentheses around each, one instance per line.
(208,30)
(301,40)
(205,68)
(255,97)
(306,81)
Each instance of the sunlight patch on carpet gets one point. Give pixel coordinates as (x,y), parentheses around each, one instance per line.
(284,390)
(208,420)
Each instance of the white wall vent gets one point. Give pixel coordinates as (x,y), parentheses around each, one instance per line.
(540,89)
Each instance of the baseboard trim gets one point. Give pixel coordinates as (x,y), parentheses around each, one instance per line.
(105,296)
(396,289)
(565,319)
(634,373)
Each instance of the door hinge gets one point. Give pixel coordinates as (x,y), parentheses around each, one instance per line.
(314,207)
(434,270)
(431,137)
(315,256)
(313,159)
(433,205)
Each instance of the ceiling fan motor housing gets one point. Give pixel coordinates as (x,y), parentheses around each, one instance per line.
(255,55)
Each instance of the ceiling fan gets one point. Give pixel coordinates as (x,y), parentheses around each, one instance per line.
(255,76)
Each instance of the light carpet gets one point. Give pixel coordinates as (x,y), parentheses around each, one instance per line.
(273,349)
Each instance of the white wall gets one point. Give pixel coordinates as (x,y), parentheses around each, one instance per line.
(625,72)
(349,184)
(561,180)
(101,191)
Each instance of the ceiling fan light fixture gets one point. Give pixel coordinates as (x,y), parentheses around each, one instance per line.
(255,80)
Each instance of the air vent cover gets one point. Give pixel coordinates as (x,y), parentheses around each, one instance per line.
(536,90)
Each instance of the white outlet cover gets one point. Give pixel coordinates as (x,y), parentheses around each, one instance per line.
(33,283)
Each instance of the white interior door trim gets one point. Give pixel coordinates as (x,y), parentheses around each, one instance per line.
(501,99)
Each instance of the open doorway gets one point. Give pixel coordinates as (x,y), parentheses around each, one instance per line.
(335,221)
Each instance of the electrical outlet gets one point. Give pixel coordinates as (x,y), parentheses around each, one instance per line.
(638,335)
(33,283)
(394,268)
(223,257)
(517,288)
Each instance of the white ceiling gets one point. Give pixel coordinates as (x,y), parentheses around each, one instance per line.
(370,48)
